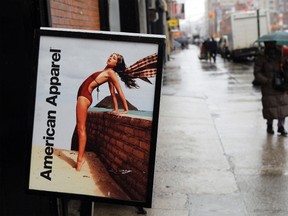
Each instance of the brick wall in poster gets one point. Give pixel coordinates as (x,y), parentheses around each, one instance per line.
(76,14)
(123,145)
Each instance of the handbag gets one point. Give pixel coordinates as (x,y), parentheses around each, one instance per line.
(278,81)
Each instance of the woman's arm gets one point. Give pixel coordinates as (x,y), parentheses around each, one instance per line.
(259,70)
(112,92)
(115,84)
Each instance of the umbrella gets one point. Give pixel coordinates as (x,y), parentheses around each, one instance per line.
(280,37)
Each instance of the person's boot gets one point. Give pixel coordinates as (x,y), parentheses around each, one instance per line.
(270,129)
(282,131)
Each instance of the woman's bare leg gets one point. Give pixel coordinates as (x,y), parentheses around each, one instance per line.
(81,115)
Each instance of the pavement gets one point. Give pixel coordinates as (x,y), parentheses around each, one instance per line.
(214,157)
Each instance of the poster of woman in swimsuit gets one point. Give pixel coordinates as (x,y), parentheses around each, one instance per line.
(95,119)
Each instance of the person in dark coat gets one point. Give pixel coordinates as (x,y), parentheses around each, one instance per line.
(206,49)
(213,49)
(274,102)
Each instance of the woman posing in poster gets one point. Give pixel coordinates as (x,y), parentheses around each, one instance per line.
(142,69)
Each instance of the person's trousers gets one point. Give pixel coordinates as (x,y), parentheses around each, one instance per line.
(281,122)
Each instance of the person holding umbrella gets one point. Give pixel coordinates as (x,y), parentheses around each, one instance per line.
(274,102)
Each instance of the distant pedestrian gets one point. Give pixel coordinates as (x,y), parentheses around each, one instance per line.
(203,51)
(223,48)
(206,49)
(274,102)
(213,49)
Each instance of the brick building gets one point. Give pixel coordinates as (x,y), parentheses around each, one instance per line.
(74,14)
(108,15)
(145,16)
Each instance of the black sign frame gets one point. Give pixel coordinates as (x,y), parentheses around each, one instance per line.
(56,51)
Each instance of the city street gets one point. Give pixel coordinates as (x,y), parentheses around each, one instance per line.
(214,157)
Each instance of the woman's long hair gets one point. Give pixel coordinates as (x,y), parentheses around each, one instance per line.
(142,69)
(120,69)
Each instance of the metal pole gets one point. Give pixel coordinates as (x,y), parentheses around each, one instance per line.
(258,25)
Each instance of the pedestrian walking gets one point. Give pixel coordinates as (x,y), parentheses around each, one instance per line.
(223,48)
(203,51)
(213,49)
(274,102)
(210,46)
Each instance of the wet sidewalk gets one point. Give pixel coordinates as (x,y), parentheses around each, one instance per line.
(213,156)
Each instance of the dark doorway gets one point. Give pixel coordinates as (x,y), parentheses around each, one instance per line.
(129,16)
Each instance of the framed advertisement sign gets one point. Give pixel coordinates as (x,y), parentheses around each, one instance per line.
(95,115)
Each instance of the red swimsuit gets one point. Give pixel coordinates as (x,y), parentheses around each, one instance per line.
(83,90)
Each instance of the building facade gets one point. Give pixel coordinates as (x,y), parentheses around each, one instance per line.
(216,10)
(138,16)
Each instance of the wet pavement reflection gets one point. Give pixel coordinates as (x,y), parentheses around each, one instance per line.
(273,156)
(256,160)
